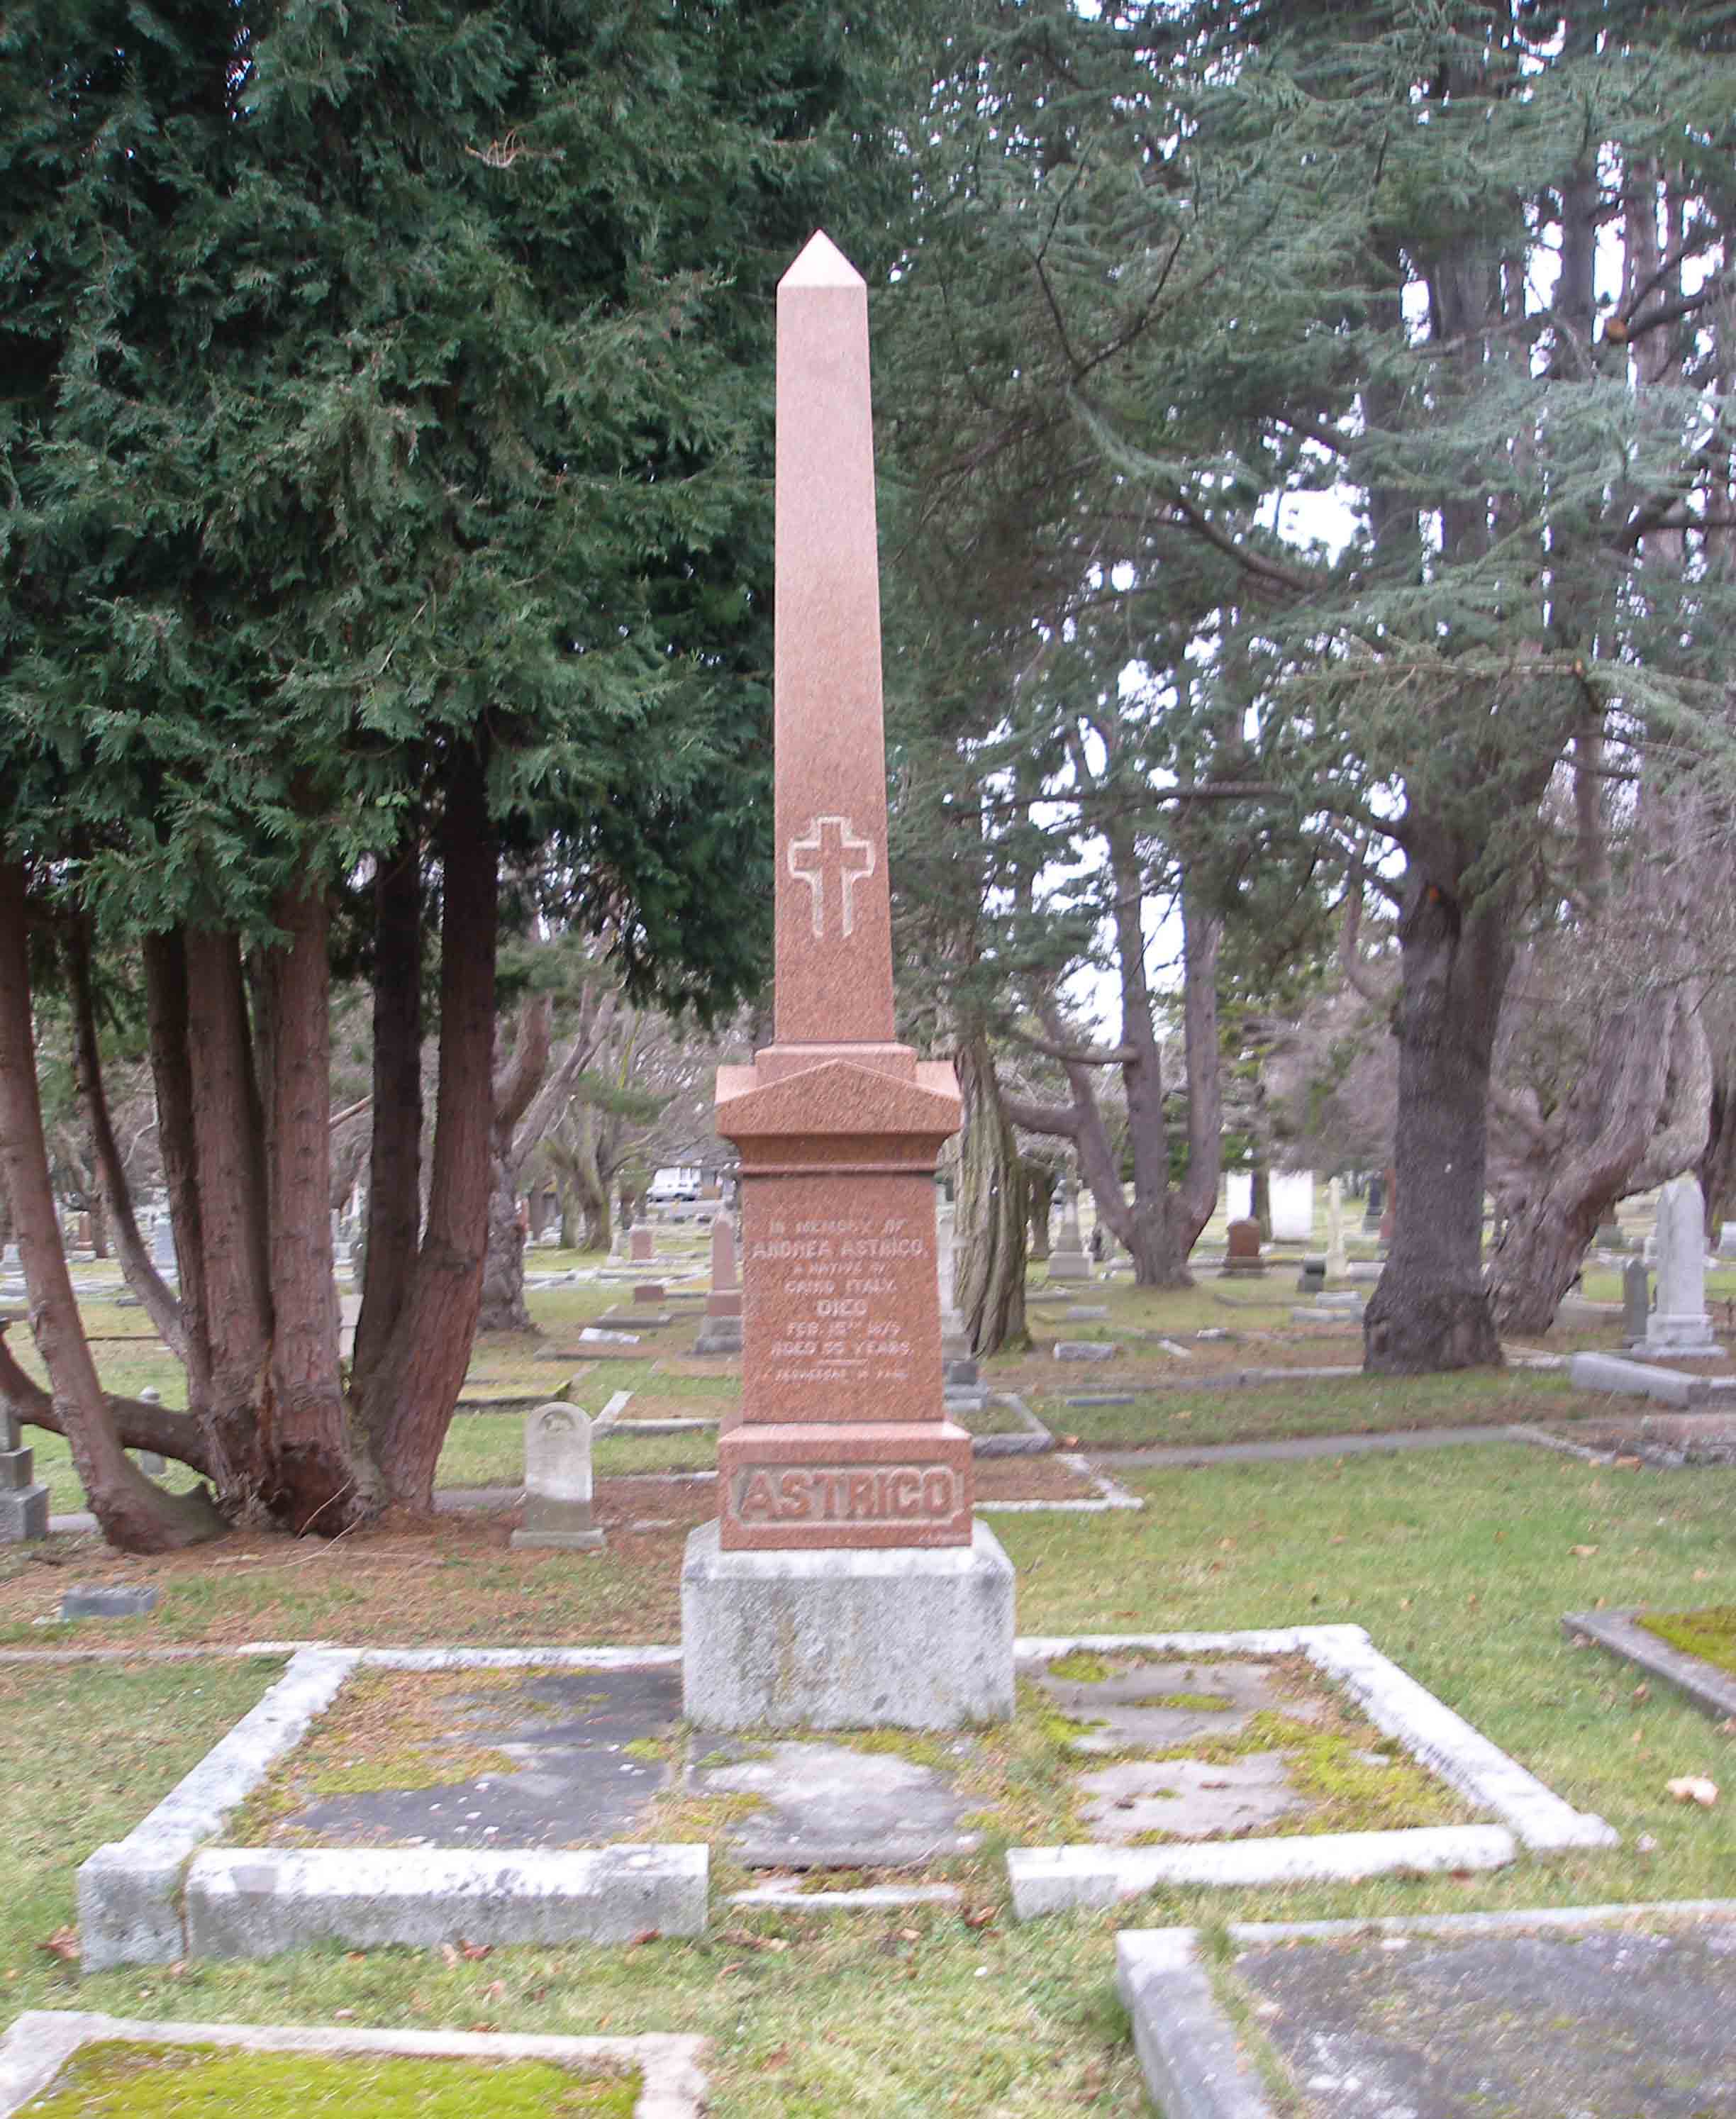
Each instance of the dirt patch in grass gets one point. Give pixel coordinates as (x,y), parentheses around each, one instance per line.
(1028,1479)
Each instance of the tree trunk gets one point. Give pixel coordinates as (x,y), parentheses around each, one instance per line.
(314,1482)
(133,1513)
(1718,1165)
(1429,1311)
(989,1260)
(503,1272)
(1641,1100)
(407,1403)
(1040,1182)
(393,1228)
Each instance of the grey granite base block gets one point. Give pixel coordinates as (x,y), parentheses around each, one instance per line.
(101,1600)
(24,1514)
(719,1335)
(895,1639)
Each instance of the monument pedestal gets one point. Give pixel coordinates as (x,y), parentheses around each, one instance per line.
(846,1639)
(23,1504)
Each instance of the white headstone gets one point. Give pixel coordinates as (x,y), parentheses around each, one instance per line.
(1292,1206)
(1338,1258)
(162,1244)
(1238,1195)
(1727,1240)
(1679,1325)
(557,1480)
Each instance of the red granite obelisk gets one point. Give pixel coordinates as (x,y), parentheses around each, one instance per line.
(842,1439)
(844,1583)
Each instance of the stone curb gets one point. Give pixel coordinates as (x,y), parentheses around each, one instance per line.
(867,1898)
(252,1902)
(42,2041)
(1049,1879)
(1186,2043)
(1711,1690)
(1522,1922)
(128,1890)
(1444,1740)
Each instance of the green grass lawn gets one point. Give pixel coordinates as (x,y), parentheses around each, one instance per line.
(1460,1565)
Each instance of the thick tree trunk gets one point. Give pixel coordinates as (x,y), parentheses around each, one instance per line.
(1641,1099)
(408,1401)
(503,1270)
(395,1150)
(314,1483)
(1718,1164)
(132,1512)
(989,1258)
(1429,1310)
(137,1424)
(1040,1182)
(228,1148)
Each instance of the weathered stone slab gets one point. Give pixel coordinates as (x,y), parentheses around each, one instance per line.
(825,1805)
(1188,1798)
(105,1600)
(557,1481)
(1085,1350)
(1609,1372)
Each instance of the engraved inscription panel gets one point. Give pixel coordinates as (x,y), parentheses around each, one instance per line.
(842,1318)
(848,1494)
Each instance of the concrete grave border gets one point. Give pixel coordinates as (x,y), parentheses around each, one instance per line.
(42,2041)
(1186,2042)
(1047,1879)
(167,1891)
(1711,1690)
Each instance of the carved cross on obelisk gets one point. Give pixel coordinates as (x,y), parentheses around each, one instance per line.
(844,1439)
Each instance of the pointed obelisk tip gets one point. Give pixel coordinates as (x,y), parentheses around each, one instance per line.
(821,264)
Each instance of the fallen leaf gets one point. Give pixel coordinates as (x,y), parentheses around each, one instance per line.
(910,1934)
(1627,1463)
(178,1970)
(1702,1574)
(1693,1787)
(1642,1692)
(355,1956)
(977,1916)
(482,2027)
(1583,1551)
(343,2015)
(1645,1843)
(473,1952)
(496,1990)
(646,1935)
(448,1953)
(1226,1545)
(63,1944)
(778,2057)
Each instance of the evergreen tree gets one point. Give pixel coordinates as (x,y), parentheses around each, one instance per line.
(386,454)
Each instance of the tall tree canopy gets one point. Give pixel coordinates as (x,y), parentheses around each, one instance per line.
(385,453)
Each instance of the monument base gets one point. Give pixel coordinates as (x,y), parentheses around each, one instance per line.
(896,1639)
(719,1335)
(24,1514)
(1688,1334)
(1068,1265)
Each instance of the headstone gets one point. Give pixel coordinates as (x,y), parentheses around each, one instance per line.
(721,1333)
(644,1244)
(1338,1258)
(1390,1213)
(162,1245)
(1679,1324)
(1611,1236)
(106,1599)
(1292,1206)
(845,1582)
(1727,1240)
(618,1243)
(149,1461)
(1636,1299)
(557,1481)
(1374,1205)
(649,1291)
(1238,1194)
(24,1503)
(959,1371)
(81,1232)
(1067,1258)
(1311,1280)
(1242,1249)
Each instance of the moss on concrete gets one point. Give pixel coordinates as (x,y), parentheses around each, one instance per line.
(119,2080)
(1709,1634)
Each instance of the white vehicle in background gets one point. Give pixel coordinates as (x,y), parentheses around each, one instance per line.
(678,1182)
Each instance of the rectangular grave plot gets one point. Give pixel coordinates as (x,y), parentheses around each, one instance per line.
(489,1760)
(80,2065)
(1132,1812)
(1197,1748)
